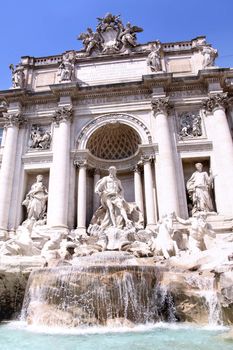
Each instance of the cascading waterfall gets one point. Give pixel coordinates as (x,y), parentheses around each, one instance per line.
(207,290)
(96,295)
(215,314)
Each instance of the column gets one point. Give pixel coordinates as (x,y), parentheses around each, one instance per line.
(13,121)
(96,198)
(59,172)
(167,188)
(82,196)
(222,153)
(138,188)
(149,195)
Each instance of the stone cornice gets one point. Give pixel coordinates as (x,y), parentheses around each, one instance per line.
(145,85)
(37,157)
(157,79)
(194,146)
(85,158)
(65,89)
(148,151)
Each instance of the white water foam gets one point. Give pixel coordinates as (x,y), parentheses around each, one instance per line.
(20,325)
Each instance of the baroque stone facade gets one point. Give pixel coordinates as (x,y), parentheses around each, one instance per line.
(152,111)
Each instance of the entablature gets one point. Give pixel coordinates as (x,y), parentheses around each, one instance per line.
(178,88)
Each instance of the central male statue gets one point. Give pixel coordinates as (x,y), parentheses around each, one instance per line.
(110,191)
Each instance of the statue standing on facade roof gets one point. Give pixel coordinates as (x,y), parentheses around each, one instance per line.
(66,68)
(128,35)
(109,21)
(154,57)
(91,40)
(209,55)
(18,76)
(111,36)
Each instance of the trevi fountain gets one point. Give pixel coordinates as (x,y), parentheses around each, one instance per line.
(116,206)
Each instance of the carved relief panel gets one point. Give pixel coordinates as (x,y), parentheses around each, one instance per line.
(40,137)
(190,126)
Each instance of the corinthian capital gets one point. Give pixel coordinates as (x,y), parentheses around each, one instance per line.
(215,101)
(160,105)
(62,114)
(13,119)
(80,163)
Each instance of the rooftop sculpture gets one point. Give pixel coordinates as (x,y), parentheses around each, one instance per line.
(111,36)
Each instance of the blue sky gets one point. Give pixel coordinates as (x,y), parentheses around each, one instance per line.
(47,27)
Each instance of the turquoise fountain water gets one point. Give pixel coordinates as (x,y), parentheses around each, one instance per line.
(19,336)
(111,306)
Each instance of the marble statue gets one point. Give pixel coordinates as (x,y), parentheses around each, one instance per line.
(36,200)
(209,55)
(50,250)
(164,243)
(109,28)
(154,57)
(18,76)
(128,35)
(110,191)
(40,138)
(108,22)
(199,228)
(21,244)
(3,104)
(111,36)
(91,40)
(115,222)
(66,68)
(199,42)
(198,187)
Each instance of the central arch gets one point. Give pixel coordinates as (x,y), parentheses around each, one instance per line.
(114,142)
(91,127)
(121,140)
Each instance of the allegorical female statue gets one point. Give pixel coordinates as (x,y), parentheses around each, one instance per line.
(36,200)
(198,187)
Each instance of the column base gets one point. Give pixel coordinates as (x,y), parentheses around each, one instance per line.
(63,230)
